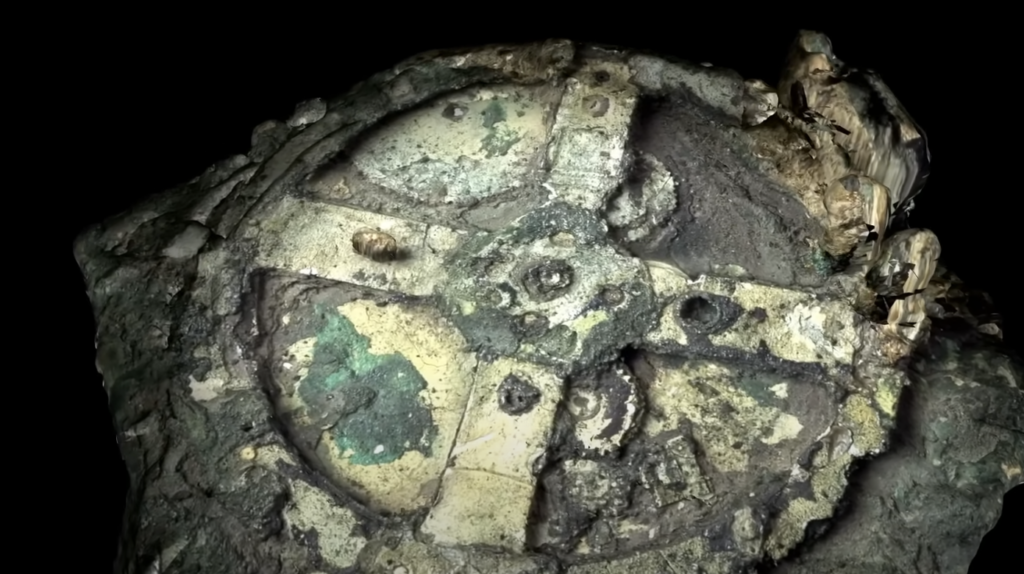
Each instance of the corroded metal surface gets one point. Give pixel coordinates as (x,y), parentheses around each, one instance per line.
(525,309)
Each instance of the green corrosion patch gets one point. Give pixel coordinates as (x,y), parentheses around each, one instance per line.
(494,114)
(500,137)
(758,386)
(825,264)
(369,402)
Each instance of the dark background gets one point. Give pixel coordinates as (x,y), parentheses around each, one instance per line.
(157,99)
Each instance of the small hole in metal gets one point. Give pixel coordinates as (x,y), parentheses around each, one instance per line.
(699,310)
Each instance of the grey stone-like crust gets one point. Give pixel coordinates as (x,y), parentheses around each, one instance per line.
(556,308)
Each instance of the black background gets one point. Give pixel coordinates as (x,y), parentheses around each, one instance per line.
(154,98)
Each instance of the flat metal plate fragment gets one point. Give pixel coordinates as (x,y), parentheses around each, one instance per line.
(536,309)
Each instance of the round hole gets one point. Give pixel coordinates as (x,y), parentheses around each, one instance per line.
(699,310)
(454,112)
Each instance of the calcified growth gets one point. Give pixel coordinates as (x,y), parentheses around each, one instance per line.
(555,308)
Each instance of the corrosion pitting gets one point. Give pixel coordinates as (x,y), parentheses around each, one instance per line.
(537,309)
(516,396)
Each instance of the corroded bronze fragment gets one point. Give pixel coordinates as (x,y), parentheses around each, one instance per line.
(555,308)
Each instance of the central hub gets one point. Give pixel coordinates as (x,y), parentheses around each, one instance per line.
(547,280)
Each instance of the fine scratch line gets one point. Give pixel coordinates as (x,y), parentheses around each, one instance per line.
(667,562)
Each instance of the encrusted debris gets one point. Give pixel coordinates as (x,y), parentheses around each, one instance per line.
(548,308)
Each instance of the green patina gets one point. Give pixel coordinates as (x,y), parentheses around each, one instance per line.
(372,399)
(499,140)
(493,114)
(757,385)
(824,263)
(500,137)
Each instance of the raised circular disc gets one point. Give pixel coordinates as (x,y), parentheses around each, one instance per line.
(527,309)
(523,205)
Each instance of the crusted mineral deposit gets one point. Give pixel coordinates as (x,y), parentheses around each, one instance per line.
(556,308)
